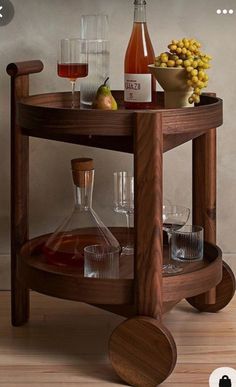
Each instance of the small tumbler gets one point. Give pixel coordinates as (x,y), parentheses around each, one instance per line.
(187,244)
(101,261)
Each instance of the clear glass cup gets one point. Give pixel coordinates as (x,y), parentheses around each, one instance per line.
(187,244)
(101,261)
(99,63)
(95,29)
(174,217)
(124,204)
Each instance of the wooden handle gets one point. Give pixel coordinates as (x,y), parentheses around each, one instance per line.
(19,191)
(24,68)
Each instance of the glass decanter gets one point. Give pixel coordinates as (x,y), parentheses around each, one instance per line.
(65,247)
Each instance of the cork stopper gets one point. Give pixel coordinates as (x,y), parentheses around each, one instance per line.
(79,167)
(82,164)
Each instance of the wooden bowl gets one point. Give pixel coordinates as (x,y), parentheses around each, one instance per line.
(174,83)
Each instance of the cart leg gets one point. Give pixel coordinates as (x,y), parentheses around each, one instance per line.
(148,161)
(142,350)
(204,213)
(204,191)
(19,201)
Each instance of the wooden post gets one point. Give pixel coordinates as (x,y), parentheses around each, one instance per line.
(204,190)
(19,73)
(148,155)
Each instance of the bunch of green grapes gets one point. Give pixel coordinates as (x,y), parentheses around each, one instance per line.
(186,53)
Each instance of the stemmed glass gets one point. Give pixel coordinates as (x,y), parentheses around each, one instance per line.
(124,203)
(174,217)
(72,61)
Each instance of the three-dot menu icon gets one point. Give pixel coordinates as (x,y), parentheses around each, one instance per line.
(224,11)
(6,12)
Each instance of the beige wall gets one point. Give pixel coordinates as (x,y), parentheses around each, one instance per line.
(33,34)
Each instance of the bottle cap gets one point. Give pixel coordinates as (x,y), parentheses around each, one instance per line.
(79,166)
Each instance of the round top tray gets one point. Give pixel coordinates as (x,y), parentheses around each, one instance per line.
(43,114)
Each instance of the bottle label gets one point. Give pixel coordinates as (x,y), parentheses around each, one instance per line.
(138,88)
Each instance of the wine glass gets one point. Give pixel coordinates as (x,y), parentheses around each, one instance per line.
(72,61)
(174,217)
(124,203)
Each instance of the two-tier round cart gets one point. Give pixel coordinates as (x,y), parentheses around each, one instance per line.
(141,349)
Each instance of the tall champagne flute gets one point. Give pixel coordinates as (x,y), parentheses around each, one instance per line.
(124,203)
(174,217)
(72,61)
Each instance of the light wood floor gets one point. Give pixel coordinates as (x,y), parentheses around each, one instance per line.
(65,344)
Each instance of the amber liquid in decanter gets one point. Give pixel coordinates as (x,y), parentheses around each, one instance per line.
(83,227)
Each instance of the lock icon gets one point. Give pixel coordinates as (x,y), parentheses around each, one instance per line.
(225,381)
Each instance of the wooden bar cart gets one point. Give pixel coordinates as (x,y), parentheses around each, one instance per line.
(142,350)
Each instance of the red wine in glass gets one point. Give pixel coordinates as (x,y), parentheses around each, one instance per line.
(72,61)
(72,70)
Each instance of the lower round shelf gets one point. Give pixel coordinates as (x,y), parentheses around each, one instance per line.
(68,283)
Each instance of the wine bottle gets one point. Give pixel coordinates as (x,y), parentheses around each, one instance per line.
(140,85)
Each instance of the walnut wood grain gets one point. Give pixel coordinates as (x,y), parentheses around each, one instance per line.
(204,184)
(19,202)
(24,68)
(194,120)
(19,187)
(69,282)
(225,291)
(56,281)
(49,116)
(130,310)
(148,154)
(115,143)
(171,141)
(142,352)
(147,134)
(204,190)
(201,277)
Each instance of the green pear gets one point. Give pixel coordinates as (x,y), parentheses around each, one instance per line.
(104,99)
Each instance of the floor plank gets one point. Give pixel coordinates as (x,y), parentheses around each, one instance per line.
(65,344)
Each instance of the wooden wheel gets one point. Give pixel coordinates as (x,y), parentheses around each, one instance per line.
(224,293)
(142,352)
